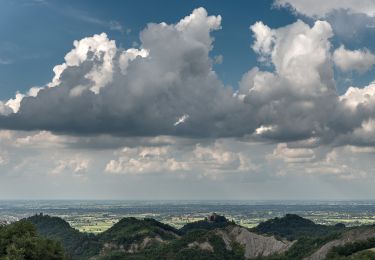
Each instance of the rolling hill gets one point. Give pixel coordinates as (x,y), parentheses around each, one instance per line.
(289,237)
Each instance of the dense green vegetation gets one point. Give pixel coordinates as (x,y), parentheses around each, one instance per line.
(349,250)
(83,246)
(78,245)
(302,248)
(20,241)
(207,224)
(117,240)
(293,227)
(363,255)
(308,235)
(180,249)
(130,230)
(137,239)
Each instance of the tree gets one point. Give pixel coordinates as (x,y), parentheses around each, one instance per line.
(20,241)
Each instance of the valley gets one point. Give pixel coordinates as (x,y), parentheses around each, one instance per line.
(98,216)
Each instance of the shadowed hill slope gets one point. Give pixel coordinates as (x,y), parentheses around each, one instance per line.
(128,235)
(289,237)
(209,223)
(131,238)
(78,245)
(20,240)
(293,227)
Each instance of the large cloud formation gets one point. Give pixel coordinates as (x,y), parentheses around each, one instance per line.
(104,89)
(293,101)
(350,19)
(321,8)
(168,87)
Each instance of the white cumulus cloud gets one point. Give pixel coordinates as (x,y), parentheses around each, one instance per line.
(357,60)
(321,8)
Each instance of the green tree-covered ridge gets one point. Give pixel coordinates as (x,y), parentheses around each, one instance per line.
(46,237)
(20,240)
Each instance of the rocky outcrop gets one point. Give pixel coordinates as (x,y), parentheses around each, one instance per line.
(255,245)
(203,246)
(109,247)
(357,234)
(147,241)
(133,248)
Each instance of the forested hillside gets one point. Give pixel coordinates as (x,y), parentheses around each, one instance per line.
(290,237)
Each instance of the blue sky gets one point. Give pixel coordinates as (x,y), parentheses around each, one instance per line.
(142,99)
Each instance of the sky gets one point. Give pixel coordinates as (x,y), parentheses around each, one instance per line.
(243,100)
